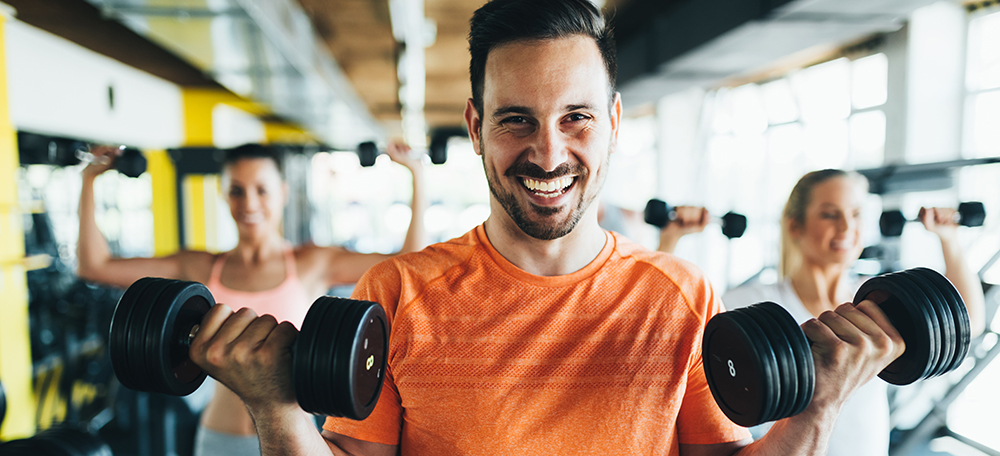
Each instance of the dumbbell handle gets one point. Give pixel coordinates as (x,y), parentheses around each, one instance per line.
(87,157)
(672,217)
(187,340)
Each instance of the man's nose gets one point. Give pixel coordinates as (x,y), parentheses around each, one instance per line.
(549,150)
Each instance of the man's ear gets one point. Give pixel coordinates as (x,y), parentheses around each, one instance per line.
(616,118)
(474,124)
(616,114)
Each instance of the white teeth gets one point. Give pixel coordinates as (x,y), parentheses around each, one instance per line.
(542,187)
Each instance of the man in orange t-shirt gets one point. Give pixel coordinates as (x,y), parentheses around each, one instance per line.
(486,358)
(538,332)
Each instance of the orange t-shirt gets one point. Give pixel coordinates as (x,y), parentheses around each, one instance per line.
(485,358)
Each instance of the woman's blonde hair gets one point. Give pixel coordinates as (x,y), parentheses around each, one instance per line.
(795,211)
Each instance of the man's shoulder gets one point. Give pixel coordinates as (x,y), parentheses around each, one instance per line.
(434,259)
(657,262)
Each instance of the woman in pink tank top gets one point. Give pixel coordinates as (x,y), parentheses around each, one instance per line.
(263,272)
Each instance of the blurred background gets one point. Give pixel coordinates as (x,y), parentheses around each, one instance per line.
(727,103)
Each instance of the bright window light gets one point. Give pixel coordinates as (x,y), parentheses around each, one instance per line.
(985,119)
(749,116)
(867,139)
(823,91)
(722,115)
(869,81)
(826,145)
(984,54)
(779,102)
(784,143)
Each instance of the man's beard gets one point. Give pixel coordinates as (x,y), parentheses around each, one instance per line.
(541,230)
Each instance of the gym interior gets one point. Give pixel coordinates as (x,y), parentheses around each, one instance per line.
(726,104)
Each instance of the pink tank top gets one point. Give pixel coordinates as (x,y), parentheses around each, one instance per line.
(289,301)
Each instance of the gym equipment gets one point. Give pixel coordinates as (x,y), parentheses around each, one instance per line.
(338,358)
(659,214)
(3,404)
(130,162)
(758,362)
(35,149)
(971,213)
(58,441)
(438,151)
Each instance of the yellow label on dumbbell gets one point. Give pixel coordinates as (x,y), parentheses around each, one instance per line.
(370,363)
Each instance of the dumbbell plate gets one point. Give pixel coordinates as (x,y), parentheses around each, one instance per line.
(782,348)
(118,333)
(960,315)
(339,357)
(946,328)
(912,319)
(180,306)
(736,368)
(804,369)
(3,404)
(138,327)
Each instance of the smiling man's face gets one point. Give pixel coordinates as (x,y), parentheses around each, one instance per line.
(546,131)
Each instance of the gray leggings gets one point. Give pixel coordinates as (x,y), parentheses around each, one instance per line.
(211,443)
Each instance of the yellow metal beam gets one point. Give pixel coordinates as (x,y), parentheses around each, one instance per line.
(194,212)
(198,106)
(286,133)
(15,338)
(166,239)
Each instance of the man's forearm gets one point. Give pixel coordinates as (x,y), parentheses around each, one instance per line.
(806,434)
(289,432)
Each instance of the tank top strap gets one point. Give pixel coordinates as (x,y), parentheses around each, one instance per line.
(290,271)
(216,275)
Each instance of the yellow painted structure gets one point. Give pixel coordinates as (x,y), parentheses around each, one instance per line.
(15,339)
(164,180)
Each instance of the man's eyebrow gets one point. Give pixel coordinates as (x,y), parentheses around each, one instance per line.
(504,110)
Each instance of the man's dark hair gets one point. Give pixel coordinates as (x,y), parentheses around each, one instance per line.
(503,21)
(248,151)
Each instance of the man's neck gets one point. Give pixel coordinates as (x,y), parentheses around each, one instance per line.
(561,256)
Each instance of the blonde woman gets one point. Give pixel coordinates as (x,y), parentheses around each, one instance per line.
(820,241)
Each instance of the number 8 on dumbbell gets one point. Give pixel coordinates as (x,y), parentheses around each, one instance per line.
(338,358)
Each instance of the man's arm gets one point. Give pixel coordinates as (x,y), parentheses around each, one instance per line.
(251,355)
(850,346)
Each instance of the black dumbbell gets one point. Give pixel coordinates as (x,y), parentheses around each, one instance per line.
(438,151)
(338,358)
(659,214)
(62,440)
(760,368)
(130,162)
(971,213)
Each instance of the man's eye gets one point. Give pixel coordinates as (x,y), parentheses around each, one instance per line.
(577,117)
(515,120)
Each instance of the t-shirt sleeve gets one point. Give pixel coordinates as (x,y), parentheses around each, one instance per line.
(380,284)
(700,421)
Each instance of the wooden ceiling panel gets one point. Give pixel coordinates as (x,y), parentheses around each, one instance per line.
(359,35)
